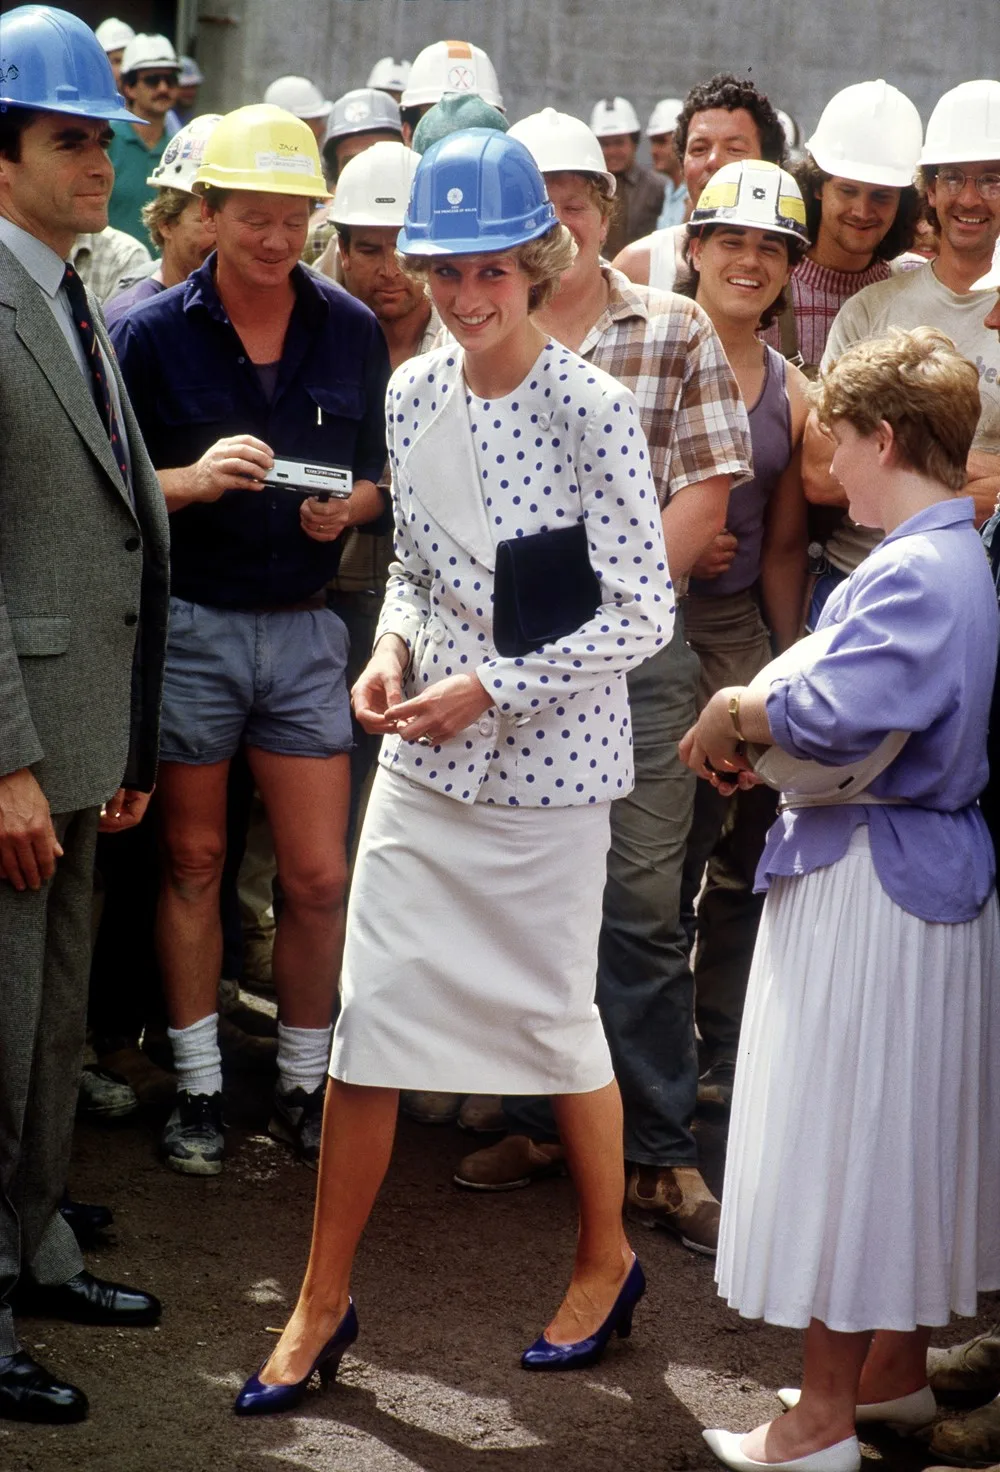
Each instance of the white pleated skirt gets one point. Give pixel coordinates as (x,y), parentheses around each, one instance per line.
(862,1182)
(470,959)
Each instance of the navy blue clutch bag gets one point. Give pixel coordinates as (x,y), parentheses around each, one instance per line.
(544,588)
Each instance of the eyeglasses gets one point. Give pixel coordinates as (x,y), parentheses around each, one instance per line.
(158,79)
(953,181)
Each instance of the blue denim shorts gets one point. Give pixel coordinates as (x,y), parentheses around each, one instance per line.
(271,680)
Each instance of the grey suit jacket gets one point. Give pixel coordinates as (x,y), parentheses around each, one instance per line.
(82,571)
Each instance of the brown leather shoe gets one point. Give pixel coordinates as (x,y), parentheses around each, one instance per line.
(516,1161)
(969,1441)
(970,1369)
(677,1199)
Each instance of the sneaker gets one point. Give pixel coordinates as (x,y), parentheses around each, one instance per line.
(969,1441)
(483,1114)
(104,1095)
(715,1086)
(192,1141)
(677,1199)
(298,1121)
(430,1108)
(514,1162)
(966,1370)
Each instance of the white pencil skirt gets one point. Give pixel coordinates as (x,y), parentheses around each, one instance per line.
(863,1176)
(471,955)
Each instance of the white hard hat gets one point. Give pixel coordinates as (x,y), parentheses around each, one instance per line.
(754,194)
(870,132)
(663,118)
(451,66)
(191,73)
(113,33)
(613,115)
(965,125)
(374,186)
(182,156)
(143,52)
(389,75)
(299,96)
(991,281)
(560,143)
(365,110)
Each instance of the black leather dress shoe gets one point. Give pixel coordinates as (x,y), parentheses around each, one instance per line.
(29,1393)
(85,1299)
(85,1222)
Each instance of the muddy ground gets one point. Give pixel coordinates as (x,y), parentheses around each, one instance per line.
(450,1287)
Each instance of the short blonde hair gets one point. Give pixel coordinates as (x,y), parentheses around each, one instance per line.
(596,186)
(543,261)
(166,206)
(919,383)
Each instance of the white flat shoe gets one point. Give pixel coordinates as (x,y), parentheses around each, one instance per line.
(904,1414)
(843,1456)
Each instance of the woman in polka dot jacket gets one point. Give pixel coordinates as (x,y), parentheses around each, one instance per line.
(471,950)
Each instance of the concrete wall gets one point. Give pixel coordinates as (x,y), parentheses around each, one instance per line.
(567,53)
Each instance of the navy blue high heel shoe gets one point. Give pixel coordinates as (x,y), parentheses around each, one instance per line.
(545,1356)
(257,1399)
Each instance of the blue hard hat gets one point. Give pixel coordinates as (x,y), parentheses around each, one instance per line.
(475,191)
(50,60)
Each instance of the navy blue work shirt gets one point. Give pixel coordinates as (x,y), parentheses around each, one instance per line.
(191,383)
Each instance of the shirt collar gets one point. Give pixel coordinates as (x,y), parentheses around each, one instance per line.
(624,301)
(200,290)
(943,513)
(40,261)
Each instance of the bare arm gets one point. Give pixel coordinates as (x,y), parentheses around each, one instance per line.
(784,555)
(634,262)
(983,483)
(238,463)
(817,451)
(692,519)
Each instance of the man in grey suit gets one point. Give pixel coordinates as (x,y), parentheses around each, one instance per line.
(83,596)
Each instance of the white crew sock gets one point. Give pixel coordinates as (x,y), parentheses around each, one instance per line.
(197,1060)
(303,1057)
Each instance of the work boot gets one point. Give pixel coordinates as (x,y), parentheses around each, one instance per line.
(152,1085)
(427,1106)
(104,1095)
(715,1086)
(482,1114)
(969,1369)
(675,1198)
(969,1441)
(514,1162)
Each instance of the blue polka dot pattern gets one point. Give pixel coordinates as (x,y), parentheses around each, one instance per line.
(559,731)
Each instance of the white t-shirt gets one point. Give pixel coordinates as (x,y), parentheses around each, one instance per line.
(917,299)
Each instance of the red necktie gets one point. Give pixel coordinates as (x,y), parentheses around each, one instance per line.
(95,362)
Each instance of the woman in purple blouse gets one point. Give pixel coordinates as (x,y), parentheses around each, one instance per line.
(863,1175)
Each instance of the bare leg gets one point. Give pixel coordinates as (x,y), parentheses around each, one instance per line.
(192,805)
(307,800)
(590,1127)
(896,1365)
(358,1129)
(825,1414)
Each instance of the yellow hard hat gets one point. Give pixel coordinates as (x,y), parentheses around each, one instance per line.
(265,149)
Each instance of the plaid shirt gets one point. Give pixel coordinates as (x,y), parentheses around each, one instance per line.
(817,295)
(664,348)
(101,260)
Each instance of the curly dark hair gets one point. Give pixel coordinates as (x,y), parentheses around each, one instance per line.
(689,286)
(732,93)
(899,237)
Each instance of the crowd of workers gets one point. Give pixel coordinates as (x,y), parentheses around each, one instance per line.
(261,275)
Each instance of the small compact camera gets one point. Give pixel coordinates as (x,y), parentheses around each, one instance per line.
(312,478)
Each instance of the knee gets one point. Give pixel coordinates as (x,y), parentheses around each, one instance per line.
(193,863)
(318,887)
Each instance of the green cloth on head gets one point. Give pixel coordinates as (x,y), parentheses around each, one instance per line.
(455,112)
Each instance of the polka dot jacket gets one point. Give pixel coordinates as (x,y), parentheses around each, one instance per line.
(565,446)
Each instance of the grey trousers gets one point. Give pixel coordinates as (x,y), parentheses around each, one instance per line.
(44,967)
(645,993)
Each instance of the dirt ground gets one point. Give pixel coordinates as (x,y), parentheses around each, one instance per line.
(450,1286)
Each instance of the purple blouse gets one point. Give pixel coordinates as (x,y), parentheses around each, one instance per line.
(916,651)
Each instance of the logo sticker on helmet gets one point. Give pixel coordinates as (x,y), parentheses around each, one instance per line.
(356,112)
(461,79)
(9,73)
(455,196)
(285,163)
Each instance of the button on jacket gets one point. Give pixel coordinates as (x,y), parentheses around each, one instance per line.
(565,446)
(192,383)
